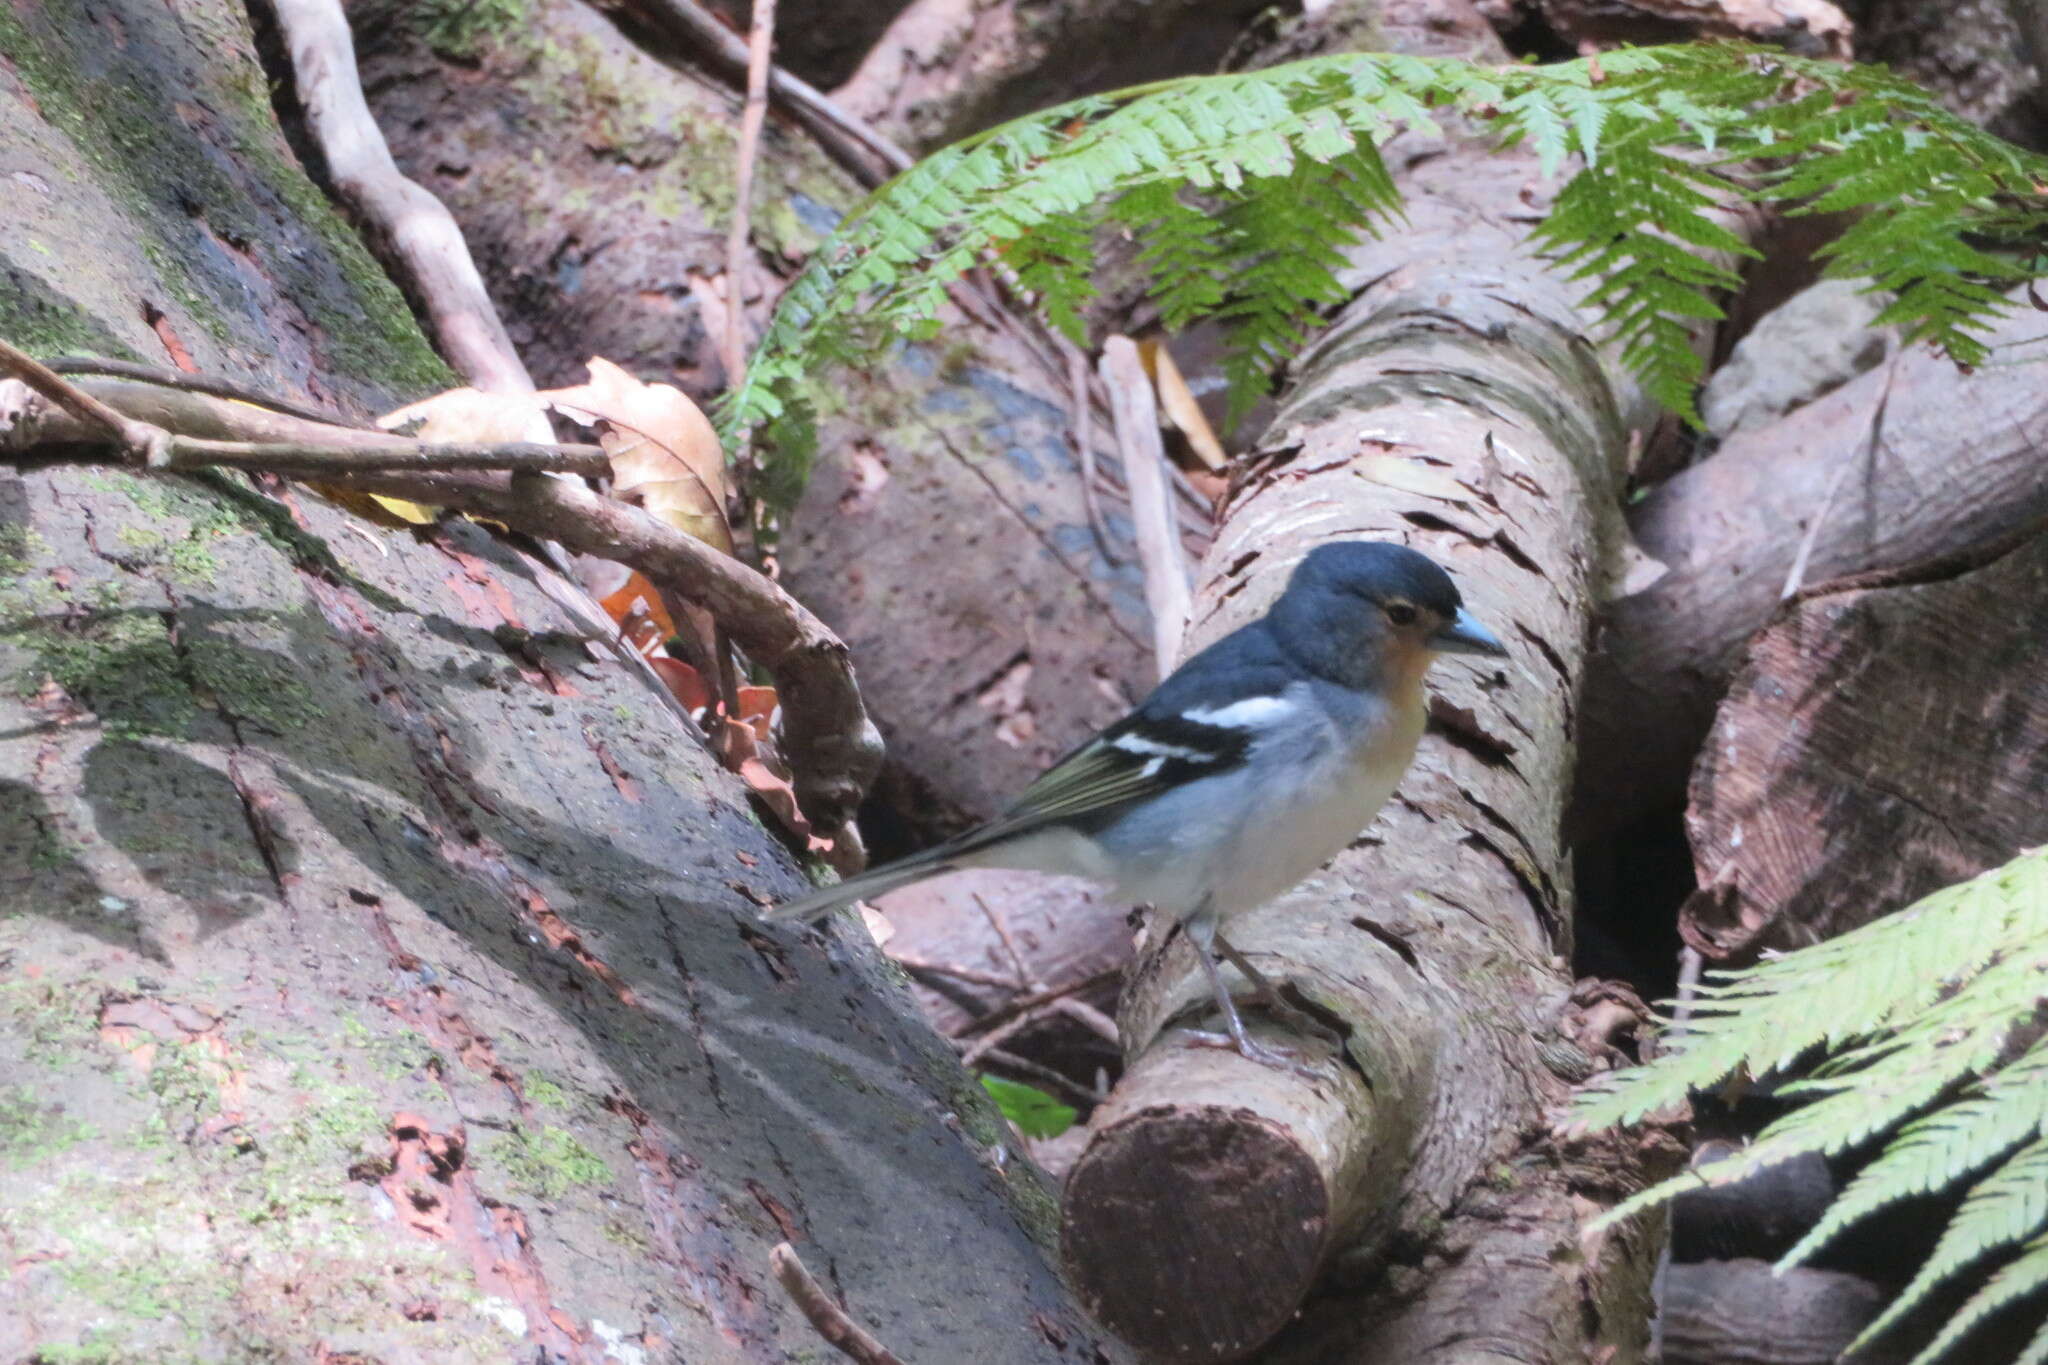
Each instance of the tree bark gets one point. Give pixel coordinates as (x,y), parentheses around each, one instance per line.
(1909,462)
(946,68)
(1745,1313)
(1876,744)
(1459,403)
(378,973)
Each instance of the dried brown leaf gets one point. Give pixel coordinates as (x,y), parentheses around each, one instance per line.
(1177,403)
(663,449)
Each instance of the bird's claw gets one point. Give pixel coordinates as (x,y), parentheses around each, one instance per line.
(1252,1051)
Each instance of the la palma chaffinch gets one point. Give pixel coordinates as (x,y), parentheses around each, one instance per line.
(1251,765)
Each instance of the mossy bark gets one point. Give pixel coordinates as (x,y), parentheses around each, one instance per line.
(378,972)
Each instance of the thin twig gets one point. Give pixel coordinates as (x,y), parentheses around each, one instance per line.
(152,446)
(972,1052)
(1025,980)
(760,41)
(970,975)
(1024,1004)
(1084,447)
(870,157)
(829,1320)
(1088,1017)
(312,461)
(1160,551)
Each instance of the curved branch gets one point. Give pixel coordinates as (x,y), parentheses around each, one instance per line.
(1956,464)
(416,225)
(831,744)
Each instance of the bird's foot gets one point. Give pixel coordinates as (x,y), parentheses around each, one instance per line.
(1254,1051)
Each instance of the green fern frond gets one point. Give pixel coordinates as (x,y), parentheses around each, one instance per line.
(1924,1019)
(1244,191)
(2007,1206)
(1942,1148)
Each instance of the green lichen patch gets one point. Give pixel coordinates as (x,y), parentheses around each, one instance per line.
(544,1093)
(223,1214)
(392,1055)
(46,1021)
(547,1162)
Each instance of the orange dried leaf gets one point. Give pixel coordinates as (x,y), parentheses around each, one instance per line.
(1177,404)
(685,682)
(663,449)
(757,708)
(637,608)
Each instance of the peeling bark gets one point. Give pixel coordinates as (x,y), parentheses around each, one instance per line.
(378,970)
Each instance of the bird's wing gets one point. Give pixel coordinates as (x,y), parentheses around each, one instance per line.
(1200,722)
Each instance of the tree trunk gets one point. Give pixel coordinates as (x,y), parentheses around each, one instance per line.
(378,974)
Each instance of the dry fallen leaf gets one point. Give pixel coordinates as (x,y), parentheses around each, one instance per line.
(743,756)
(1177,404)
(662,448)
(466,417)
(1410,476)
(685,682)
(637,608)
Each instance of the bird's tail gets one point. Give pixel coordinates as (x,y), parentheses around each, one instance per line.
(917,867)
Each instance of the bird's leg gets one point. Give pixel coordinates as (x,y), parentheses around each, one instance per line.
(1295,1017)
(1247,1048)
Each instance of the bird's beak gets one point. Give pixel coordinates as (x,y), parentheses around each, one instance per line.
(1463,635)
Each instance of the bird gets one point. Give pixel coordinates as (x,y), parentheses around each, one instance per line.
(1252,764)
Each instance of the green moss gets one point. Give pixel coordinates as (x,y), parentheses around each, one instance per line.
(464,29)
(122,666)
(545,1093)
(37,319)
(31,1129)
(548,1162)
(174,191)
(253,685)
(392,1055)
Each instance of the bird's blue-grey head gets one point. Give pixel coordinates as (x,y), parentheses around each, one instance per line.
(1357,610)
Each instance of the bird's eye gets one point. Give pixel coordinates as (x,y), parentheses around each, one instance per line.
(1401,614)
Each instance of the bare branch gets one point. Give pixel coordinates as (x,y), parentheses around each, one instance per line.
(870,157)
(1144,455)
(760,42)
(840,1332)
(417,227)
(135,437)
(827,736)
